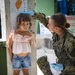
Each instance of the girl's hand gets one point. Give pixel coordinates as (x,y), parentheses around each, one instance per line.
(11,56)
(33,40)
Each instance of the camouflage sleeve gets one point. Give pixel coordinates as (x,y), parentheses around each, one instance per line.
(71,48)
(41,17)
(44,65)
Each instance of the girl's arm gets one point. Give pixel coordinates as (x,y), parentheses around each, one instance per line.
(9,45)
(71,49)
(32,40)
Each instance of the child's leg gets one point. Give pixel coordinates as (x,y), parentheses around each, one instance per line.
(25,72)
(16,64)
(26,64)
(16,72)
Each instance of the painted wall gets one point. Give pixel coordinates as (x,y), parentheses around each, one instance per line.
(46,7)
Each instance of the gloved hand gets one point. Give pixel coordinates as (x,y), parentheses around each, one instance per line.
(57,67)
(31,13)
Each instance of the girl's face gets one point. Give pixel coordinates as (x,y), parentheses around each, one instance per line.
(25,25)
(51,25)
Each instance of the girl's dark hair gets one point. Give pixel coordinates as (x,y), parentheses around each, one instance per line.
(23,17)
(60,20)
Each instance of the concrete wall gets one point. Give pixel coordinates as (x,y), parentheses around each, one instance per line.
(9,27)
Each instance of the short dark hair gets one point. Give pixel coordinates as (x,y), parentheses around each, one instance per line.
(23,17)
(60,20)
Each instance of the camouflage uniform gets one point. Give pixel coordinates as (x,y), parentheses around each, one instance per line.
(65,53)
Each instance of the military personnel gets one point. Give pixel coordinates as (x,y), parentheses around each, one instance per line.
(63,44)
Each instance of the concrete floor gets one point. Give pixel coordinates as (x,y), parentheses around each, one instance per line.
(39,72)
(40,52)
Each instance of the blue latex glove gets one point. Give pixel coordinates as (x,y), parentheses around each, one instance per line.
(57,67)
(31,13)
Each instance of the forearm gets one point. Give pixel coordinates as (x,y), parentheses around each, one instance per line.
(10,52)
(41,17)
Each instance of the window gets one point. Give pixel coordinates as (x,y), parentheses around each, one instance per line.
(0,28)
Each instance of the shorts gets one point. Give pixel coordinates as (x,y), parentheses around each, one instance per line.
(19,63)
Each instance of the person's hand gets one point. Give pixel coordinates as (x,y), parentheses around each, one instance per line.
(33,39)
(57,67)
(31,13)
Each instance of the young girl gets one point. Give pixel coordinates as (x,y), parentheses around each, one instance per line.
(19,45)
